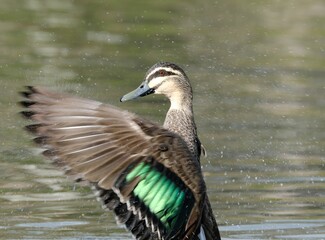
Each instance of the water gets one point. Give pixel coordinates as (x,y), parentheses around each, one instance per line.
(257,69)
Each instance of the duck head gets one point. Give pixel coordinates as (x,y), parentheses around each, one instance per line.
(163,78)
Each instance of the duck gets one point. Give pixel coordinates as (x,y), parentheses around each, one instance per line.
(148,175)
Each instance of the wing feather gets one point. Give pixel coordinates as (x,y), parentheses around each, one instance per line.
(103,144)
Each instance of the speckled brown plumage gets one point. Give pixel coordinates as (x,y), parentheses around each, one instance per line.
(106,147)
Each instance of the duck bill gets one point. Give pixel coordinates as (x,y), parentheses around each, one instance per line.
(141,91)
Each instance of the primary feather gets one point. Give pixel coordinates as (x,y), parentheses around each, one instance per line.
(143,172)
(149,176)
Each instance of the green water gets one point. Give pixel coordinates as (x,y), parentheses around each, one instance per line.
(257,70)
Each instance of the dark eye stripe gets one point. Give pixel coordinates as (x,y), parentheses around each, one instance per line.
(158,74)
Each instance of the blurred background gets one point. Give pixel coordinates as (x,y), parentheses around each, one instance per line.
(257,70)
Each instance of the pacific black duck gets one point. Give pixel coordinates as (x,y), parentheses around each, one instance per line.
(149,176)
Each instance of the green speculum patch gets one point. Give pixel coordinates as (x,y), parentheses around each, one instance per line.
(163,195)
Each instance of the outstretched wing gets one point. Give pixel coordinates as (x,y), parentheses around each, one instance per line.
(144,173)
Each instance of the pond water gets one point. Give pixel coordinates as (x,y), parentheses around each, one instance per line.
(257,69)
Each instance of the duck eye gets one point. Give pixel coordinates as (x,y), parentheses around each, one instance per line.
(162,73)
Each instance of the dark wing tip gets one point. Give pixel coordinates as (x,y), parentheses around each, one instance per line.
(26,104)
(42,140)
(29,91)
(33,128)
(50,153)
(27,114)
(25,94)
(31,88)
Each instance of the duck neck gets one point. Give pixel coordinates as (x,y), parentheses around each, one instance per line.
(180,120)
(182,102)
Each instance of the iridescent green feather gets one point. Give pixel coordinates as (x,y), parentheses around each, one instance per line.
(162,196)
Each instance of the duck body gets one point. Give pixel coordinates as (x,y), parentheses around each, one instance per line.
(149,176)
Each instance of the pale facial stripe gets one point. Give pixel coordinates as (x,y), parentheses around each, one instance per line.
(167,69)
